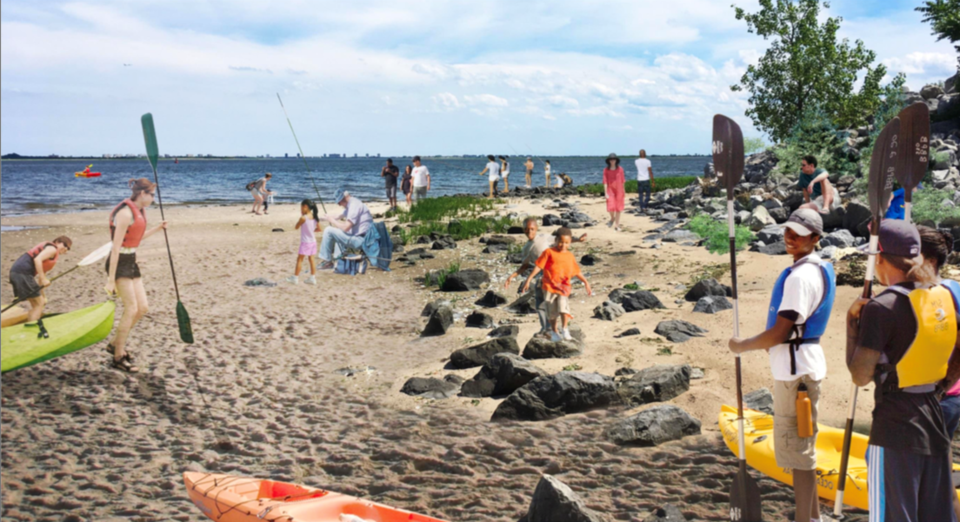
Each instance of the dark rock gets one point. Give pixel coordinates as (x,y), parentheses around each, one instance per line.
(495,249)
(776,249)
(780,215)
(770,234)
(479,320)
(653,426)
(420,253)
(617,295)
(431,388)
(424,240)
(539,348)
(679,331)
(501,240)
(444,242)
(440,321)
(553,501)
(856,214)
(760,400)
(507,330)
(840,238)
(656,384)
(432,307)
(589,260)
(259,282)
(640,300)
(557,395)
(525,304)
(465,280)
(707,287)
(667,513)
(515,230)
(628,332)
(482,353)
(491,299)
(712,304)
(550,220)
(680,235)
(503,375)
(277,230)
(624,253)
(608,311)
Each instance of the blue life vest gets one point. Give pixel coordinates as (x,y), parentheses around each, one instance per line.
(816,324)
(954,288)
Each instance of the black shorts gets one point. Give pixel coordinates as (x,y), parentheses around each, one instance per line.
(126,266)
(391,192)
(24,285)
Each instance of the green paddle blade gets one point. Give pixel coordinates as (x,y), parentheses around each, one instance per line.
(150,139)
(183,322)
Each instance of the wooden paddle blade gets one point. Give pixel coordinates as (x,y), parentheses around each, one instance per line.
(745,499)
(914,152)
(883,168)
(727,152)
(183,322)
(150,139)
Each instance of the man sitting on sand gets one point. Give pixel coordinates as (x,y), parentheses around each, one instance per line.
(559,268)
(532,250)
(28,275)
(346,230)
(797,317)
(818,193)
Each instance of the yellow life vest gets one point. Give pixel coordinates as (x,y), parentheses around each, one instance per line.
(925,362)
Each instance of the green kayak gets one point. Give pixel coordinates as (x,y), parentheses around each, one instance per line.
(68,333)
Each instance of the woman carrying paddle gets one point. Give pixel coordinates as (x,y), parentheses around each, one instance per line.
(613,180)
(128,221)
(28,275)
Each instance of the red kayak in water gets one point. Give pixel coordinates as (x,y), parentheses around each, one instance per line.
(85,173)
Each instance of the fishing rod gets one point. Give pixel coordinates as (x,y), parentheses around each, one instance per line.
(304,158)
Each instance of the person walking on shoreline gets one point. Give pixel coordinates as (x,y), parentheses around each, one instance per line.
(505,172)
(28,275)
(645,182)
(546,172)
(128,228)
(406,184)
(613,181)
(904,341)
(799,311)
(421,179)
(529,166)
(492,170)
(390,173)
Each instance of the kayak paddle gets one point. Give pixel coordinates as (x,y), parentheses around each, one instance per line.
(91,258)
(914,151)
(728,161)
(883,169)
(304,158)
(150,139)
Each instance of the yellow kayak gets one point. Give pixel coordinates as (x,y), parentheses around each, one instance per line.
(758,429)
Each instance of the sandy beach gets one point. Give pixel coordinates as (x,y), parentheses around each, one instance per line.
(84,442)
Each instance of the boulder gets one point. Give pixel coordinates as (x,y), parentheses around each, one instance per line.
(441,319)
(431,388)
(608,311)
(481,354)
(712,304)
(759,219)
(500,240)
(420,253)
(654,426)
(539,348)
(617,295)
(640,300)
(760,400)
(931,92)
(780,215)
(491,299)
(507,330)
(589,260)
(656,384)
(856,215)
(707,287)
(444,243)
(550,220)
(840,238)
(775,249)
(503,375)
(770,234)
(556,395)
(667,513)
(628,332)
(678,331)
(479,320)
(465,280)
(680,235)
(554,501)
(525,304)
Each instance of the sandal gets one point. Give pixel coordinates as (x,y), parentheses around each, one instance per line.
(125,364)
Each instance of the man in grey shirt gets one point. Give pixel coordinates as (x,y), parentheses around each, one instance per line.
(346,230)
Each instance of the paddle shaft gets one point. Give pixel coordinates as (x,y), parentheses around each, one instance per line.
(166,239)
(52,279)
(304,158)
(741,437)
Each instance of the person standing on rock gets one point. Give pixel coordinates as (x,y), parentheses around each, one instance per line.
(529,166)
(505,172)
(797,317)
(818,193)
(904,341)
(421,179)
(613,181)
(546,172)
(492,170)
(559,268)
(645,182)
(390,173)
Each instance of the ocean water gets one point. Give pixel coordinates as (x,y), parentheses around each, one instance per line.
(42,186)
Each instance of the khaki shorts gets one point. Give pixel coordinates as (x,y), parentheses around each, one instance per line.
(556,304)
(791,451)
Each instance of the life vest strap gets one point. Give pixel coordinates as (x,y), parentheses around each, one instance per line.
(795,343)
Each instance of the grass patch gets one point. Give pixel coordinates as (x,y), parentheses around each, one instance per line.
(443,273)
(665,350)
(710,272)
(445,208)
(928,206)
(716,234)
(572,368)
(631,286)
(630,186)
(459,216)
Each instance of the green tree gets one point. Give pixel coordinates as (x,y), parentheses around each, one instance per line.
(944,17)
(806,68)
(753,145)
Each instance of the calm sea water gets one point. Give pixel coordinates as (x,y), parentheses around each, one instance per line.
(42,186)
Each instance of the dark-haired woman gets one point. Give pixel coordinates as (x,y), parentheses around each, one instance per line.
(28,275)
(406,184)
(613,181)
(128,227)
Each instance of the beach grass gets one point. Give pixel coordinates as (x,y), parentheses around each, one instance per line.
(716,234)
(459,216)
(631,185)
(446,207)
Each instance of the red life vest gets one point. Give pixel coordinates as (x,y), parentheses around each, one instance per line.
(49,263)
(136,229)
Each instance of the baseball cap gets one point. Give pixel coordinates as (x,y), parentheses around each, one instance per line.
(339,195)
(804,222)
(899,238)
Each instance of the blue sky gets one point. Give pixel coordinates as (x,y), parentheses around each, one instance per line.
(398,77)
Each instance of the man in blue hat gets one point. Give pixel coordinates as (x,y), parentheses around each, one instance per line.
(346,230)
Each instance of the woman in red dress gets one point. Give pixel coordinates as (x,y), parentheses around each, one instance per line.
(613,180)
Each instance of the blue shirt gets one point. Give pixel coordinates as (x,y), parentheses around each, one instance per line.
(896,208)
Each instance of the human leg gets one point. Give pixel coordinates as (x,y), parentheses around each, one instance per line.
(506,184)
(36,309)
(131,315)
(529,179)
(296,271)
(792,451)
(951,419)
(541,306)
(936,486)
(493,188)
(893,480)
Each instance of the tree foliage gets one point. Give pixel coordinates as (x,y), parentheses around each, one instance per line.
(944,18)
(806,68)
(753,145)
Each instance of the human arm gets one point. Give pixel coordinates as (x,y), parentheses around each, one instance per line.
(861,361)
(653,183)
(586,283)
(526,283)
(152,231)
(428,181)
(774,336)
(47,253)
(953,368)
(339,222)
(581,239)
(484,171)
(300,222)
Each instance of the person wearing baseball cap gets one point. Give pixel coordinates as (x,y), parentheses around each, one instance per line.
(346,230)
(903,340)
(798,314)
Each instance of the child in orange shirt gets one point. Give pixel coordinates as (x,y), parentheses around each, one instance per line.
(559,267)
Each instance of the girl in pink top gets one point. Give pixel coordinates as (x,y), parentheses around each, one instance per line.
(308,225)
(613,180)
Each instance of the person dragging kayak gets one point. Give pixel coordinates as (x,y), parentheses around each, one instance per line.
(559,267)
(28,276)
(492,170)
(904,341)
(128,227)
(308,225)
(797,317)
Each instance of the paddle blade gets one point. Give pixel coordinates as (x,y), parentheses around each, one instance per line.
(96,255)
(914,150)
(883,166)
(183,322)
(150,139)
(727,152)
(745,498)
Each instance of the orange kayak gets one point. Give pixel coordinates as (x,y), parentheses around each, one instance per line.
(86,174)
(228,498)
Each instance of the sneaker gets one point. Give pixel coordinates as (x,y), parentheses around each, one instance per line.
(292,280)
(609,224)
(312,280)
(555,337)
(566,335)
(326,265)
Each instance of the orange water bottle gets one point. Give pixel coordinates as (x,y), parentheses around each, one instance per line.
(804,413)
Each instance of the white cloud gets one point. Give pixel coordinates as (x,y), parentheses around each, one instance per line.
(488,100)
(447,101)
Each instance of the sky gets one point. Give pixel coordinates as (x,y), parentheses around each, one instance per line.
(399,77)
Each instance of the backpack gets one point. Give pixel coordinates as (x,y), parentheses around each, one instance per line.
(250,185)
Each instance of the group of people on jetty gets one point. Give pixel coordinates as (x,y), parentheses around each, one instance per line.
(904,339)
